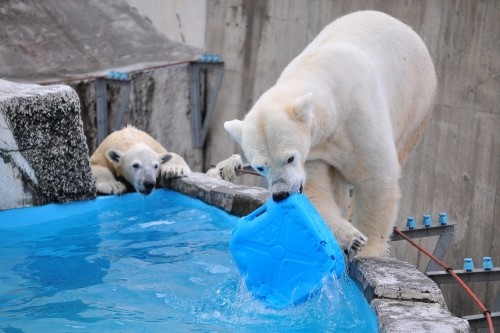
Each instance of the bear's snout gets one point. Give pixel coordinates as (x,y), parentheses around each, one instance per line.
(147,187)
(279,196)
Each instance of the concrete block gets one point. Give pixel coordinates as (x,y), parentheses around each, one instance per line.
(235,199)
(396,316)
(390,278)
(42,145)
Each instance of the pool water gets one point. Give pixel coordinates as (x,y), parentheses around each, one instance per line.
(134,263)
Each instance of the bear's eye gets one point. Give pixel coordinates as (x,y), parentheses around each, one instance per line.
(136,165)
(260,169)
(155,166)
(290,159)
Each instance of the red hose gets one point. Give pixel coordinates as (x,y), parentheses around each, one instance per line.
(450,271)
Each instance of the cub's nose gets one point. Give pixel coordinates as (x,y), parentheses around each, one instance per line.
(278,196)
(149,186)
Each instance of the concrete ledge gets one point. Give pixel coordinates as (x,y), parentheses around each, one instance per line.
(404,299)
(235,199)
(396,316)
(42,146)
(382,277)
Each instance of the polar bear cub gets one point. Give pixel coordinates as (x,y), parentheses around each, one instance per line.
(132,157)
(344,114)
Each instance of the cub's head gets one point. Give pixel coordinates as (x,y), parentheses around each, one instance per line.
(276,138)
(139,166)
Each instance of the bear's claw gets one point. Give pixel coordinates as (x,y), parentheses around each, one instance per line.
(355,246)
(111,187)
(175,171)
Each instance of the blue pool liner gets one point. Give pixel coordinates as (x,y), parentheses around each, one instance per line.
(284,250)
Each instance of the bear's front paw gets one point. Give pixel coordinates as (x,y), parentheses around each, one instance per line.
(374,248)
(171,170)
(356,245)
(111,187)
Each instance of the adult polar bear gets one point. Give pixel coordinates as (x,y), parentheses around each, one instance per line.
(344,114)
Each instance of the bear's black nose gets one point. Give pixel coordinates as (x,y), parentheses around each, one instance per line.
(280,196)
(149,185)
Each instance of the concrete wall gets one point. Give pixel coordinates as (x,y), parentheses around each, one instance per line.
(180,21)
(456,167)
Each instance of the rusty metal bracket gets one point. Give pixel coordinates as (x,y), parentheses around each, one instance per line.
(445,233)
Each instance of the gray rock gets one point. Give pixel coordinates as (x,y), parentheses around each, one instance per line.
(235,199)
(404,299)
(395,316)
(42,145)
(394,279)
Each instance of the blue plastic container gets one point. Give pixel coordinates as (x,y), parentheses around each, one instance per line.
(285,249)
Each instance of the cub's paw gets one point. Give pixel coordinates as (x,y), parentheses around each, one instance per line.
(111,187)
(175,170)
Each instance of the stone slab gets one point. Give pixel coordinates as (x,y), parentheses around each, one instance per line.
(235,199)
(395,316)
(44,157)
(390,278)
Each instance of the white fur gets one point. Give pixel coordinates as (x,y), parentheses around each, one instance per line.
(136,157)
(344,114)
(226,169)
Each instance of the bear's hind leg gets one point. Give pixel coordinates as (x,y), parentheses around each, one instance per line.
(375,211)
(105,181)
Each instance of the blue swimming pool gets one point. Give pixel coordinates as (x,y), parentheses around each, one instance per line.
(157,263)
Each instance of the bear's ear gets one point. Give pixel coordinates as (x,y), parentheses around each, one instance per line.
(165,158)
(302,107)
(234,128)
(113,156)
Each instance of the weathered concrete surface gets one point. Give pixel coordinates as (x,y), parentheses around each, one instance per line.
(42,145)
(396,316)
(235,199)
(404,299)
(390,278)
(73,39)
(188,25)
